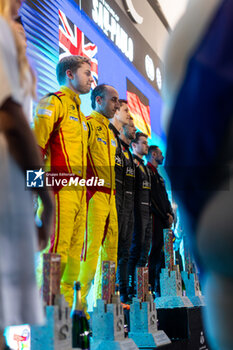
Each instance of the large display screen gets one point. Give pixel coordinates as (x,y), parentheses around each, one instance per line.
(56,29)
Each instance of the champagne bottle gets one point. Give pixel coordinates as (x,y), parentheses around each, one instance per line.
(80,326)
(183,288)
(116,297)
(117,300)
(149,296)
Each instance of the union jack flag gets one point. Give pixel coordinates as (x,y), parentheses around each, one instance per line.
(72,41)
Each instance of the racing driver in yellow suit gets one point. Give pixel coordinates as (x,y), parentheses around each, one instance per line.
(62,133)
(101,238)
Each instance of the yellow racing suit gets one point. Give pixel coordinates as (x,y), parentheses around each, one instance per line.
(101,238)
(61,132)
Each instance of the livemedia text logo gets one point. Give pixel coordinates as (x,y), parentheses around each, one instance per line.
(35,178)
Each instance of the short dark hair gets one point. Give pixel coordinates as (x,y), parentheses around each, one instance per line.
(69,62)
(99,90)
(121,101)
(138,135)
(151,149)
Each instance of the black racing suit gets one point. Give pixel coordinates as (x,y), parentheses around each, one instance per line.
(119,171)
(160,206)
(126,221)
(142,221)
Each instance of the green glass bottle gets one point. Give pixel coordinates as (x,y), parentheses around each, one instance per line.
(80,326)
